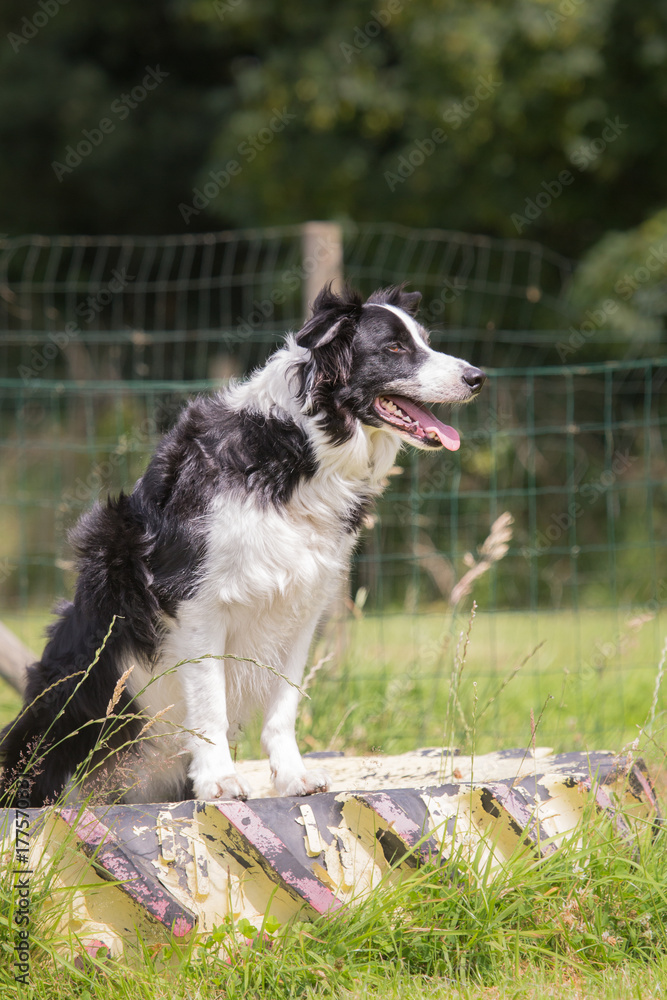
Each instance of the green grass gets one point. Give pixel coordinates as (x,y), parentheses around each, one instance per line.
(388,684)
(595,673)
(587,921)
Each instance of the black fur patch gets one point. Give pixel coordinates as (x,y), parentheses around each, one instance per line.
(354,517)
(65,708)
(264,455)
(138,557)
(396,295)
(329,366)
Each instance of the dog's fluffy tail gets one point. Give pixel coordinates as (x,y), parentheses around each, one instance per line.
(64,720)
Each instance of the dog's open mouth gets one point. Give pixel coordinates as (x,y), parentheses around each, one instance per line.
(416,421)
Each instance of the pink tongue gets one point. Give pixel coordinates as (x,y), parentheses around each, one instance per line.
(449,438)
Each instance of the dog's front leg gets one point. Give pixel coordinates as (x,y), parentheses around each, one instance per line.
(212,769)
(288,771)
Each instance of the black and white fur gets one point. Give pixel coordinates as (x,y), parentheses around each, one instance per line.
(234,541)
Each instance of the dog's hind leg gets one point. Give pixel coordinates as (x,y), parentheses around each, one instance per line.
(288,771)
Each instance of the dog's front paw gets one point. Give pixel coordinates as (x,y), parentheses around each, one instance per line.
(305,783)
(231,786)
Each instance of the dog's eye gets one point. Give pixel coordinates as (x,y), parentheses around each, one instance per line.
(397,348)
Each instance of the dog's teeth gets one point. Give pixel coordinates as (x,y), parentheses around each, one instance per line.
(393,408)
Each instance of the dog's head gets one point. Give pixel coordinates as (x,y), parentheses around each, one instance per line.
(371,361)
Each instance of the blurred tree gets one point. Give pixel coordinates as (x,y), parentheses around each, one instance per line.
(65,69)
(519,118)
(621,282)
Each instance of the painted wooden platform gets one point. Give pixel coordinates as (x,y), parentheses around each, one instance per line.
(178,868)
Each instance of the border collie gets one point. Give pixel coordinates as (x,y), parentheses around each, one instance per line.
(234,541)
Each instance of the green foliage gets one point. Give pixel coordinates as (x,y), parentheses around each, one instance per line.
(622,279)
(520,91)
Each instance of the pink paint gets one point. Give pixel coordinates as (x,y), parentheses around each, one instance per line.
(116,864)
(159,908)
(398,820)
(87,827)
(182,927)
(603,799)
(113,860)
(92,947)
(253,829)
(514,805)
(320,898)
(648,790)
(271,847)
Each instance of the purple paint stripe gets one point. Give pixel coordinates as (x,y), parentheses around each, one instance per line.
(646,786)
(113,858)
(394,816)
(278,856)
(412,834)
(86,826)
(604,802)
(247,822)
(523,815)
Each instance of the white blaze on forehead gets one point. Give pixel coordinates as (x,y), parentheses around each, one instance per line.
(408,321)
(438,378)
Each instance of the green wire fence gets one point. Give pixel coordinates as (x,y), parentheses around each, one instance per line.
(103,339)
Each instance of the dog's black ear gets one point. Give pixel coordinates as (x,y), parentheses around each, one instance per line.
(332,314)
(318,331)
(396,295)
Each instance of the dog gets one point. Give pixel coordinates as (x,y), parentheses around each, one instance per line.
(199,592)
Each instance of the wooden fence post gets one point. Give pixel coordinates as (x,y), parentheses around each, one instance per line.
(14,658)
(322,259)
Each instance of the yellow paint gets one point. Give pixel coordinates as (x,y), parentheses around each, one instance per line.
(313,841)
(165,836)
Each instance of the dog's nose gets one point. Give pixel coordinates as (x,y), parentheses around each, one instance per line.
(475,378)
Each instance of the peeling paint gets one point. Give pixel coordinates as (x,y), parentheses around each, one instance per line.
(313,841)
(163,869)
(165,836)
